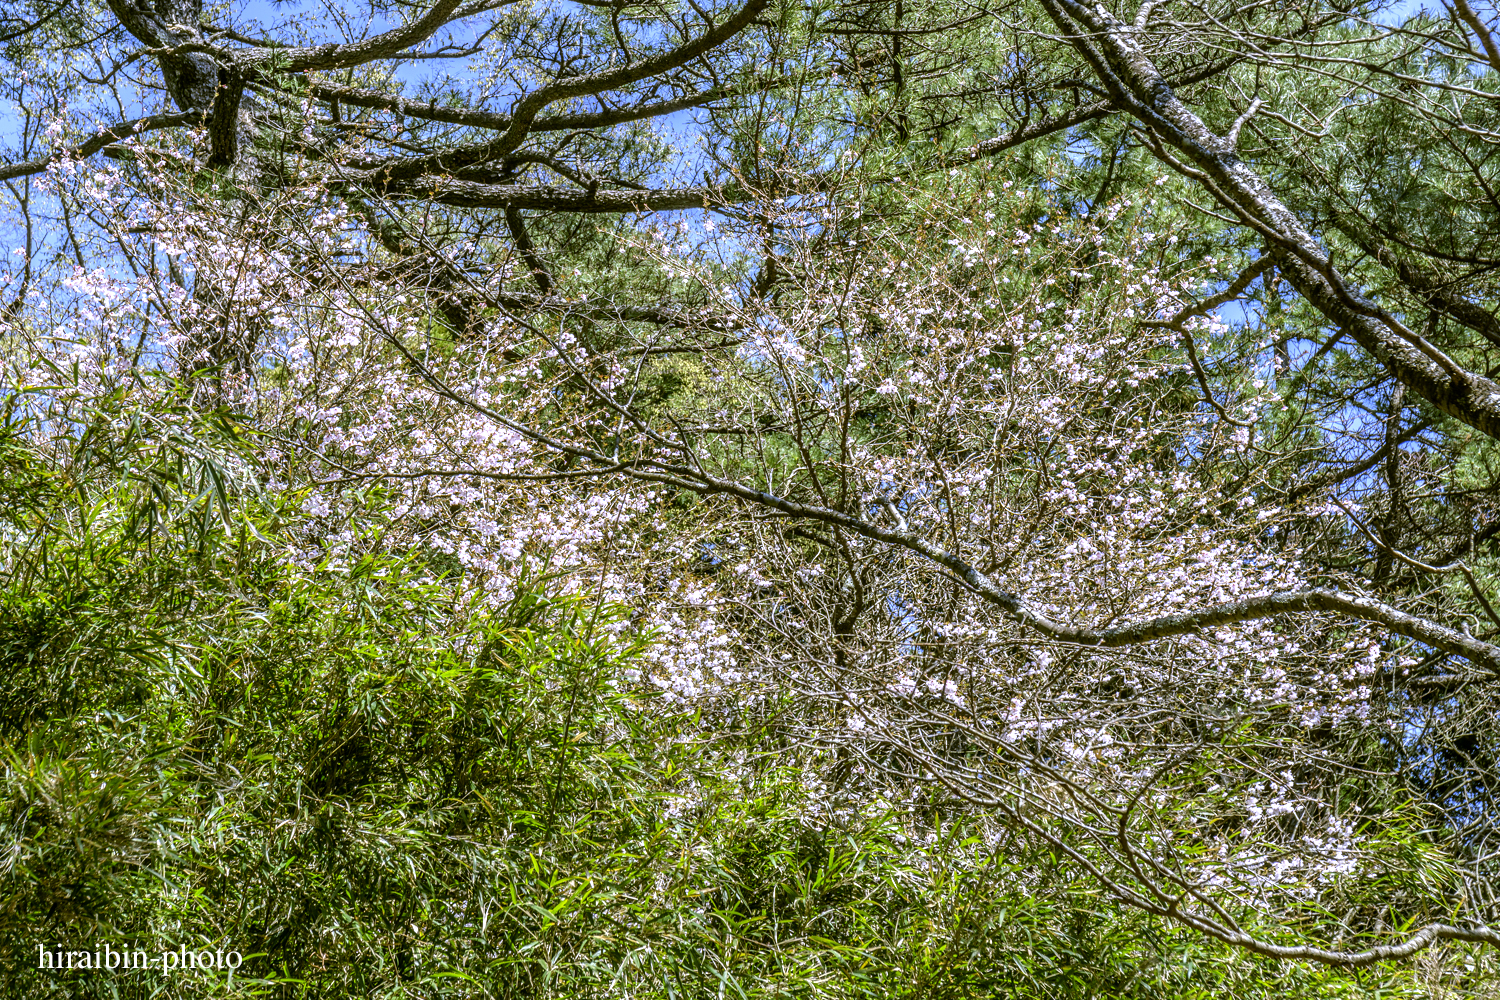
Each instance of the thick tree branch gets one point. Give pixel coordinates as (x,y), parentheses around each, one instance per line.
(527,108)
(224,121)
(112,134)
(1134,84)
(527,249)
(470,194)
(460,193)
(1481,30)
(1248,609)
(383,46)
(362,98)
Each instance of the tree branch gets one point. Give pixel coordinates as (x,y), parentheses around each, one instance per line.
(527,108)
(471,194)
(1136,86)
(382,46)
(113,134)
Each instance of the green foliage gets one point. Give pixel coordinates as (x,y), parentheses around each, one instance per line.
(371,782)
